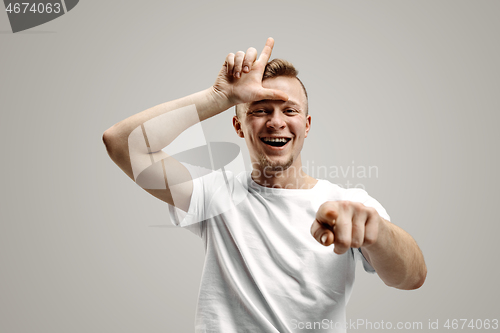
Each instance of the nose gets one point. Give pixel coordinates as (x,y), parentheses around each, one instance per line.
(276,120)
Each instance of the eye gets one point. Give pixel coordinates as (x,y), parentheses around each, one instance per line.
(259,112)
(290,111)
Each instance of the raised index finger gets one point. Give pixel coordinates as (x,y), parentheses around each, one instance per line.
(266,52)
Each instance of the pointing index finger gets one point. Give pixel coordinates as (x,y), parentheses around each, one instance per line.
(266,52)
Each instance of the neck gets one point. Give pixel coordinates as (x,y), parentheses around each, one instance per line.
(291,178)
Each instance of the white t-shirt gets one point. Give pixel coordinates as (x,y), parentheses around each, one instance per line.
(263,271)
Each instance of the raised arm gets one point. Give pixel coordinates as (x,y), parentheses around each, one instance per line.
(135,144)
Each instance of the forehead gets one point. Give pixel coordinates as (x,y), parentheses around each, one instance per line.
(290,85)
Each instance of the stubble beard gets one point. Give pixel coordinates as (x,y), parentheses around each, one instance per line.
(268,166)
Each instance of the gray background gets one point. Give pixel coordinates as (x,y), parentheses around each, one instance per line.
(408,86)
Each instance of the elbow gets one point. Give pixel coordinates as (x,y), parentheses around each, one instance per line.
(420,277)
(108,135)
(106,139)
(415,285)
(421,280)
(416,281)
(109,141)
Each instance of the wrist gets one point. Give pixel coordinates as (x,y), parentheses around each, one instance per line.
(385,237)
(220,99)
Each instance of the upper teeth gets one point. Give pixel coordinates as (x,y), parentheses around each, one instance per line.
(274,139)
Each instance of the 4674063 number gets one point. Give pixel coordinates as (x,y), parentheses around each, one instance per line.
(26,7)
(459,324)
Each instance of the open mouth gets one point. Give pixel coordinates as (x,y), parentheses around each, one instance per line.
(275,142)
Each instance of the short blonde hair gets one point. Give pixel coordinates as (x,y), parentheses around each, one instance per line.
(280,67)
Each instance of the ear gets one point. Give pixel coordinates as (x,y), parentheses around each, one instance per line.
(237,127)
(308,125)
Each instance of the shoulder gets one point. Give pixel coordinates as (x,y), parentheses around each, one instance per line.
(360,195)
(222,186)
(355,194)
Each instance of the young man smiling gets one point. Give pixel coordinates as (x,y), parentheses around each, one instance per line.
(264,269)
(274,130)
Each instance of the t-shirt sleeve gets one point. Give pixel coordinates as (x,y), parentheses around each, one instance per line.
(366,265)
(206,185)
(360,195)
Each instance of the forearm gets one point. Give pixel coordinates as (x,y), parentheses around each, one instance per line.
(396,257)
(165,125)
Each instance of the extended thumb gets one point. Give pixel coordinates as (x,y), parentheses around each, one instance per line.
(275,94)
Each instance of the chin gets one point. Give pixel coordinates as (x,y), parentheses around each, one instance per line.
(274,166)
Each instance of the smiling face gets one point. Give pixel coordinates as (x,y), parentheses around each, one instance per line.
(275,130)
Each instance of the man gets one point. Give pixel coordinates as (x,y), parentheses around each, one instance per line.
(263,271)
